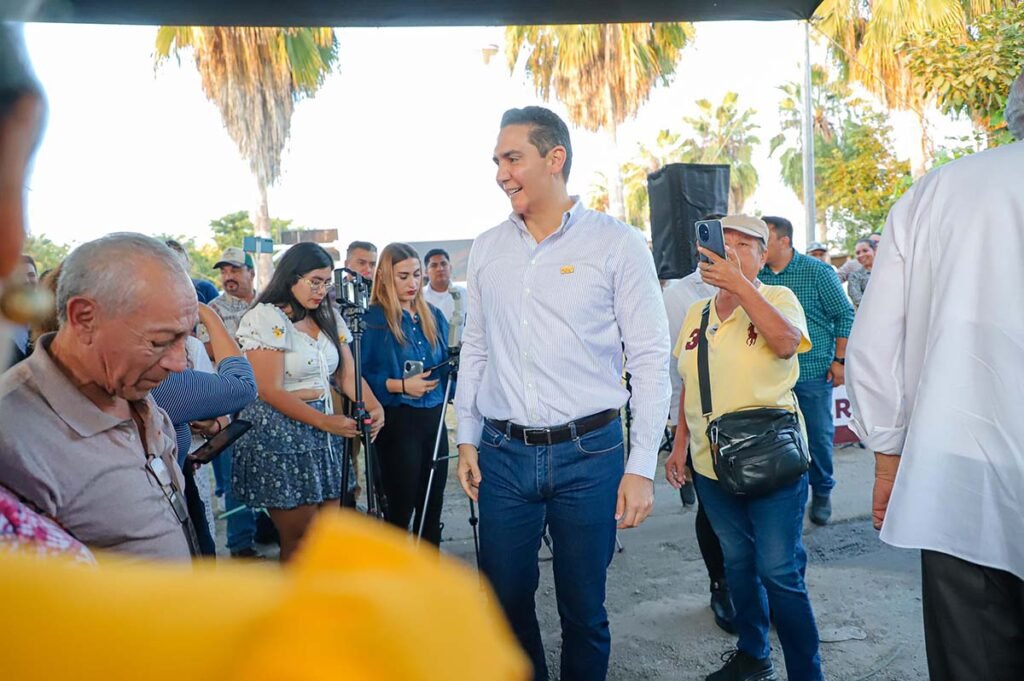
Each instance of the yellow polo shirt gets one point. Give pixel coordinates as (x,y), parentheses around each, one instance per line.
(745,373)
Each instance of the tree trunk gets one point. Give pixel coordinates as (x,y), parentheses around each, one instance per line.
(919,164)
(616,202)
(261,228)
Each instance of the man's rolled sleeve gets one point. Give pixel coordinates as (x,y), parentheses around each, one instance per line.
(875,355)
(646,341)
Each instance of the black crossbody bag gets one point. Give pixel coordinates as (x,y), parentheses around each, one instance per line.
(754,451)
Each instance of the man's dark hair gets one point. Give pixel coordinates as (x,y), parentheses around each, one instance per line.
(781,226)
(360,245)
(29,260)
(436,251)
(875,234)
(547,131)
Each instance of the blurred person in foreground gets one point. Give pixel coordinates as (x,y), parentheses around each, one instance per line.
(936,383)
(753,333)
(370,604)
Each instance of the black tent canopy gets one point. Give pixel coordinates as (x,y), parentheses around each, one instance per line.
(410,12)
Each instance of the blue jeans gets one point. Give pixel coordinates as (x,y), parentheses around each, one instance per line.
(815,398)
(571,487)
(241,525)
(764,557)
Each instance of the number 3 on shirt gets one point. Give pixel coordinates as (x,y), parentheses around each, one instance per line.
(692,343)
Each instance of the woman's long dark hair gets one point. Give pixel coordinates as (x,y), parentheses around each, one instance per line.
(298,261)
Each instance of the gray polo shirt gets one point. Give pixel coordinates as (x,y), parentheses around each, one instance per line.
(84,467)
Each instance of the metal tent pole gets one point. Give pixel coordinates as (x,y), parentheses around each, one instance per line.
(808,138)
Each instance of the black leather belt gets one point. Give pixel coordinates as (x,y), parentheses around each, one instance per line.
(555,434)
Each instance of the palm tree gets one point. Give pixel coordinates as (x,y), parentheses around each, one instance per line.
(602,73)
(724,134)
(828,99)
(255,76)
(867,36)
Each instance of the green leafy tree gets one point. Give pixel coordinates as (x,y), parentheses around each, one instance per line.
(255,76)
(602,73)
(972,77)
(857,175)
(47,253)
(229,230)
(866,39)
(202,258)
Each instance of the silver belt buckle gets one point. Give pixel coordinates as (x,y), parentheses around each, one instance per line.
(545,431)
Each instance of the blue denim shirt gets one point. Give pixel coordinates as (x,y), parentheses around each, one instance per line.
(383,357)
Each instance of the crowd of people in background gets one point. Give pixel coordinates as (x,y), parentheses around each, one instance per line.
(126,376)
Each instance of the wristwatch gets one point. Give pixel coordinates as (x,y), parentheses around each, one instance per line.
(841,360)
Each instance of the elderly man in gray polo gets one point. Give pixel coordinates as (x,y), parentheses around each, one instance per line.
(81,440)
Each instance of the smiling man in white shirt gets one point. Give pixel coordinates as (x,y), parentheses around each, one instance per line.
(936,383)
(555,293)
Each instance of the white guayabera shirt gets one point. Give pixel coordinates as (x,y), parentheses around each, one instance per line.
(935,365)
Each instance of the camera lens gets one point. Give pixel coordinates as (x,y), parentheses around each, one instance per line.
(704,232)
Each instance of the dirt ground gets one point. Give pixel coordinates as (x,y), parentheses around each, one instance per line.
(865,594)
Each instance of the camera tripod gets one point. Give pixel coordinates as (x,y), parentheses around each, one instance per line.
(453,360)
(353,294)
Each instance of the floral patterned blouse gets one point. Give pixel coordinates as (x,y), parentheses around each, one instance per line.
(308,363)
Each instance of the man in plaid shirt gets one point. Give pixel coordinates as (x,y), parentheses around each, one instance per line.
(829,320)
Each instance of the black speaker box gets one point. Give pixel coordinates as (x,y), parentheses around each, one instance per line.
(681,194)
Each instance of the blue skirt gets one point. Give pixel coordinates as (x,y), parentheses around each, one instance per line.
(284,463)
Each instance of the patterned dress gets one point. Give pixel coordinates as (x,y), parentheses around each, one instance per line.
(284,463)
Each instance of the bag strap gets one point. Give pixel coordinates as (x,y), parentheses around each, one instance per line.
(703,374)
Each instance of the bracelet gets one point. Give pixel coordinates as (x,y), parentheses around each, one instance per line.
(403,385)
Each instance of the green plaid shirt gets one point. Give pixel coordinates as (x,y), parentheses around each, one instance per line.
(828,310)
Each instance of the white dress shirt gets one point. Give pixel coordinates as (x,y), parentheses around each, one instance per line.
(935,368)
(678,296)
(546,324)
(445,302)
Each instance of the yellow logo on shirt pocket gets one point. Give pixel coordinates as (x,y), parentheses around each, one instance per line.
(568,269)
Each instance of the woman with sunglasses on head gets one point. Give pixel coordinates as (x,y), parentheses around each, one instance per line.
(401,327)
(290,462)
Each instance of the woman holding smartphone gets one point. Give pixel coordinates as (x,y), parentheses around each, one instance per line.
(290,462)
(401,328)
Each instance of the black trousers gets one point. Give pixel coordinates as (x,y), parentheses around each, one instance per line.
(710,549)
(973,620)
(405,449)
(707,540)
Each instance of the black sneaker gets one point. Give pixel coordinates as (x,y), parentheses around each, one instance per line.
(721,606)
(248,553)
(821,509)
(742,667)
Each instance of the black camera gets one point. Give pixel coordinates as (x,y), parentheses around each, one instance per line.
(704,232)
(351,290)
